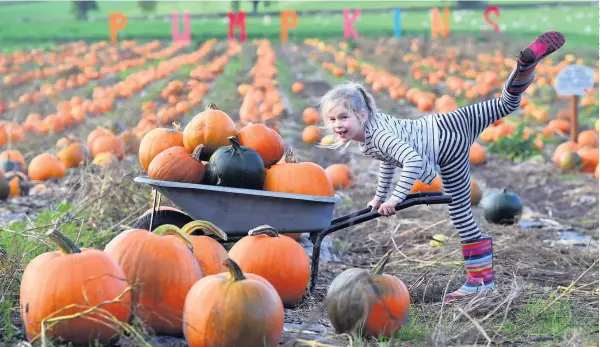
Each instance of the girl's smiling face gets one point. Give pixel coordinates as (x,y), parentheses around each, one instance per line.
(347,125)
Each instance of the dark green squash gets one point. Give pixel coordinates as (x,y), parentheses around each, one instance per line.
(235,166)
(503,208)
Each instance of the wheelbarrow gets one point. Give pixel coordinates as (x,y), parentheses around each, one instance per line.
(237,210)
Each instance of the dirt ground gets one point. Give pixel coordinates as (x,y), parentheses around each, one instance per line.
(528,268)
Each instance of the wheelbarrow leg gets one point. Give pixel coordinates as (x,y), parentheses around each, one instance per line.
(316,255)
(155,205)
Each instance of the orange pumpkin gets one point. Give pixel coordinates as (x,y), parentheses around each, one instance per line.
(261,249)
(108,143)
(310,116)
(476,193)
(209,253)
(311,134)
(156,141)
(45,166)
(221,297)
(435,186)
(211,128)
(264,140)
(340,174)
(177,165)
(95,134)
(589,158)
(477,154)
(74,280)
(298,178)
(368,302)
(71,155)
(164,268)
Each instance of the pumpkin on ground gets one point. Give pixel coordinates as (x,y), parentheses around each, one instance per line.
(233,308)
(278,258)
(176,164)
(476,193)
(294,177)
(264,140)
(236,166)
(71,281)
(340,174)
(570,160)
(209,253)
(370,302)
(71,155)
(45,166)
(11,159)
(211,128)
(18,183)
(164,269)
(502,207)
(156,141)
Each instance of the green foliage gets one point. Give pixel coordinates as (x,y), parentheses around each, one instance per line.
(515,147)
(81,8)
(148,6)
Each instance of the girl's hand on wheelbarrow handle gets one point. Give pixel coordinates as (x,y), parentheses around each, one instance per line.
(426,200)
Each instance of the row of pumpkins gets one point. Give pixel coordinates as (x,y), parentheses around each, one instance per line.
(182,284)
(211,151)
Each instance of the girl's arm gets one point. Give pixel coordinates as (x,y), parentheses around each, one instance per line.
(412,163)
(386,176)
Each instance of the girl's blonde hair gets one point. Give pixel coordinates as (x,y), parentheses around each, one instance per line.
(352,96)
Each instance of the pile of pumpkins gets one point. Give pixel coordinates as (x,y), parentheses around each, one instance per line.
(179,283)
(210,150)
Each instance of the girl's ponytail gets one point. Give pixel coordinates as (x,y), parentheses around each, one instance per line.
(369,101)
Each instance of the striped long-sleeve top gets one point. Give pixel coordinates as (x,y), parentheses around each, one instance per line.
(412,145)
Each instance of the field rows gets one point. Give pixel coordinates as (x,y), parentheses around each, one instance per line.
(94,201)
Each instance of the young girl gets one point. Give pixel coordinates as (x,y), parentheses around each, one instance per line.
(437,139)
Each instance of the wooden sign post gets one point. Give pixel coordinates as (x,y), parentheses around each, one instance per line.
(573,80)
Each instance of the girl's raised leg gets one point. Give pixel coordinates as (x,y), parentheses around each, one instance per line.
(473,119)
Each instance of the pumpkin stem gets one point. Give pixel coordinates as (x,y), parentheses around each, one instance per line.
(197,152)
(290,158)
(264,230)
(378,269)
(206,226)
(235,143)
(235,273)
(211,106)
(64,244)
(176,126)
(170,229)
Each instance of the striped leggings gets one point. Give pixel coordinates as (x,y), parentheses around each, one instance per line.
(458,130)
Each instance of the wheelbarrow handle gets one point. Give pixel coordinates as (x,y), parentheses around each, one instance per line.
(368,209)
(317,238)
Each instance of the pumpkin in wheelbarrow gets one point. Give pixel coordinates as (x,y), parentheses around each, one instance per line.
(278,258)
(296,177)
(370,302)
(211,128)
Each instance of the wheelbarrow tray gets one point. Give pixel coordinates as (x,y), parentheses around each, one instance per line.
(237,210)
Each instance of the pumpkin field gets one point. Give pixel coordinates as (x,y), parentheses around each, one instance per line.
(81,120)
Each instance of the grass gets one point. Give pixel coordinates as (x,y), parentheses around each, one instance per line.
(577,22)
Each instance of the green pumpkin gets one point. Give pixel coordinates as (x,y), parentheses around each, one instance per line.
(235,166)
(503,208)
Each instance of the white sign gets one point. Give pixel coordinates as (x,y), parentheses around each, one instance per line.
(574,79)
